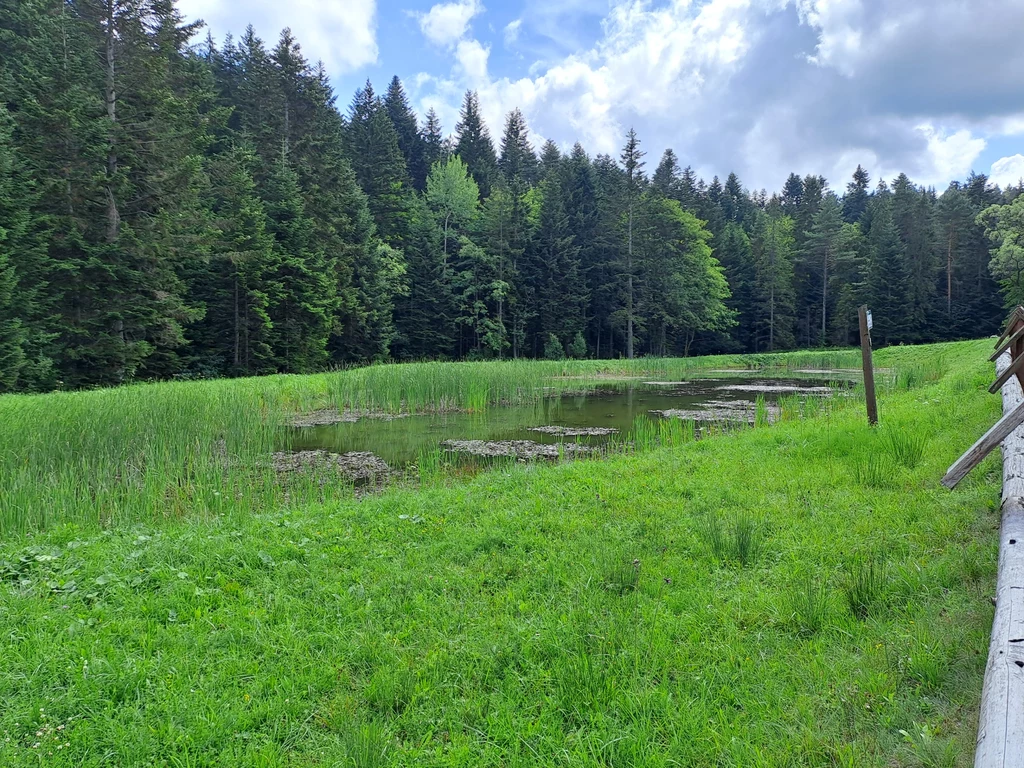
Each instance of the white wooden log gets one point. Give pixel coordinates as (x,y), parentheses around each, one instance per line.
(1001,721)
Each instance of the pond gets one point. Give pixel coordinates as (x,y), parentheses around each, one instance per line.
(613,411)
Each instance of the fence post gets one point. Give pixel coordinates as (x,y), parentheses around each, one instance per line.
(869,369)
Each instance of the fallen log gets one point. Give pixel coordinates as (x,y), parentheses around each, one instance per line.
(1001,720)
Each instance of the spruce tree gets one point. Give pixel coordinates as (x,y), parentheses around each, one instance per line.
(373,148)
(396,104)
(301,290)
(474,146)
(518,160)
(886,279)
(632,162)
(855,201)
(666,177)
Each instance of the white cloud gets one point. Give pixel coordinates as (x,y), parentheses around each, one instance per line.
(950,156)
(649,62)
(341,34)
(763,87)
(1007,171)
(447,23)
(512,31)
(472,59)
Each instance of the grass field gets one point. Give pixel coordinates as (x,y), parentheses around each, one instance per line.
(800,595)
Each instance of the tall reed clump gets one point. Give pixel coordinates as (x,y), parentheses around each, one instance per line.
(136,453)
(741,542)
(865,584)
(905,447)
(808,604)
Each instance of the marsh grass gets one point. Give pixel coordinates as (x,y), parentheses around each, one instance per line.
(865,584)
(741,541)
(365,745)
(906,447)
(875,471)
(809,604)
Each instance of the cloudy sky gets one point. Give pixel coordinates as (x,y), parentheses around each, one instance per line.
(759,87)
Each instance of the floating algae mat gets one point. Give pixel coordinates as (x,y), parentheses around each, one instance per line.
(576,420)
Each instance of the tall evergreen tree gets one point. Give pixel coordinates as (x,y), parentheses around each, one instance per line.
(379,165)
(474,146)
(855,201)
(632,162)
(411,143)
(518,160)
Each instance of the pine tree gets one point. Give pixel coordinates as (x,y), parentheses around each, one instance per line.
(773,245)
(396,104)
(550,159)
(822,246)
(855,201)
(632,162)
(235,286)
(433,144)
(912,211)
(560,288)
(302,294)
(733,250)
(666,176)
(886,279)
(474,145)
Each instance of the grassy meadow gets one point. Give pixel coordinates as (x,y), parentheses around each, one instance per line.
(804,594)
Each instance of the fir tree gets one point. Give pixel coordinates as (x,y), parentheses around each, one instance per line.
(855,201)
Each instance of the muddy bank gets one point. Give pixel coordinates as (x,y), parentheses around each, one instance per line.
(739,411)
(777,389)
(518,449)
(358,466)
(575,431)
(327,417)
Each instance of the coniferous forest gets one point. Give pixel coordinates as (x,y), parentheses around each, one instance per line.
(173,210)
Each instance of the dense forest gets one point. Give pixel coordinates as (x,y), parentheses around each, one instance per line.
(174,210)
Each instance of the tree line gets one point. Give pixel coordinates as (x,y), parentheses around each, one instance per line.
(172,210)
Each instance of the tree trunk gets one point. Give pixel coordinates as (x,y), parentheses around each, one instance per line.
(949,272)
(824,295)
(238,329)
(629,289)
(110,98)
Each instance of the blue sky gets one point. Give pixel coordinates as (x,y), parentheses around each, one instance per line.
(759,87)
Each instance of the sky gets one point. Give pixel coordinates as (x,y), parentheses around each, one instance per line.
(763,88)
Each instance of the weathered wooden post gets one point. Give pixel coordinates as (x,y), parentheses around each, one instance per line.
(869,368)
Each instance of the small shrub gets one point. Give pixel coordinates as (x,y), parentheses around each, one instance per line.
(578,347)
(906,448)
(809,605)
(864,586)
(553,349)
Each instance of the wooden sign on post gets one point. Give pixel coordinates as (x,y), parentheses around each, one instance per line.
(869,368)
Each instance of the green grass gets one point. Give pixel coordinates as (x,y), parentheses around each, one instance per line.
(533,615)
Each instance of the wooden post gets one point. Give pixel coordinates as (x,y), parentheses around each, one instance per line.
(869,370)
(1001,721)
